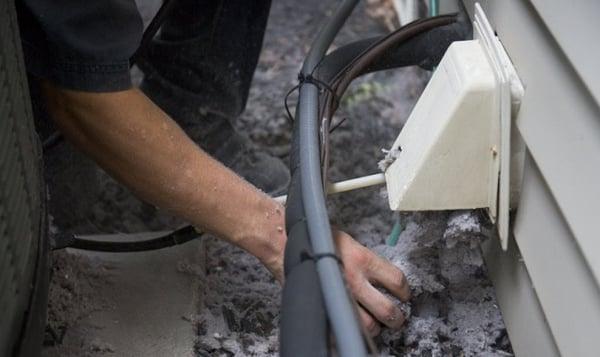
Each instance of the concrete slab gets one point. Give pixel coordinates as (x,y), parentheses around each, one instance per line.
(154,301)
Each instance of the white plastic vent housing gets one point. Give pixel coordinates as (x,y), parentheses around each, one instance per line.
(447,154)
(452,147)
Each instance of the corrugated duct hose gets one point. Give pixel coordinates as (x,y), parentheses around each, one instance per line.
(314,296)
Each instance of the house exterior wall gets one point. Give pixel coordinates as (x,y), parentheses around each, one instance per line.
(549,282)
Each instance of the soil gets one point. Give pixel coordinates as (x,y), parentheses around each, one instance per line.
(453,310)
(72,296)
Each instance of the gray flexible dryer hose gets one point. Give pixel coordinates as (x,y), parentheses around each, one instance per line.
(340,307)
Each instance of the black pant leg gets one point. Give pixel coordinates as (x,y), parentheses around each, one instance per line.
(210,50)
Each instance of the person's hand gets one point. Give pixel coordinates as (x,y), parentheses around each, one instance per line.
(363,270)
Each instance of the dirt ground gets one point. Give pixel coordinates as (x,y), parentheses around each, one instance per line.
(453,310)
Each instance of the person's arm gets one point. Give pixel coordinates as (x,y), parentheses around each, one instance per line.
(139,145)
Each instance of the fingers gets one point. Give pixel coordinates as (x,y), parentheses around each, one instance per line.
(371,325)
(362,267)
(382,308)
(389,277)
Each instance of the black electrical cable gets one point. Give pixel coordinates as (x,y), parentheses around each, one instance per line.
(52,140)
(378,49)
(425,50)
(375,50)
(155,25)
(176,237)
(369,58)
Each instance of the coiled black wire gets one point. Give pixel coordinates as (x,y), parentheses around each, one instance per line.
(176,237)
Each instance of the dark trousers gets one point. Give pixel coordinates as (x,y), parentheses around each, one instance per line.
(208,50)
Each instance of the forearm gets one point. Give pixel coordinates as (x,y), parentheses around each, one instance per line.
(138,144)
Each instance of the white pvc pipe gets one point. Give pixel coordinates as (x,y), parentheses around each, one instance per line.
(348,185)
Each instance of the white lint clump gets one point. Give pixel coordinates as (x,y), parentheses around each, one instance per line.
(390,156)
